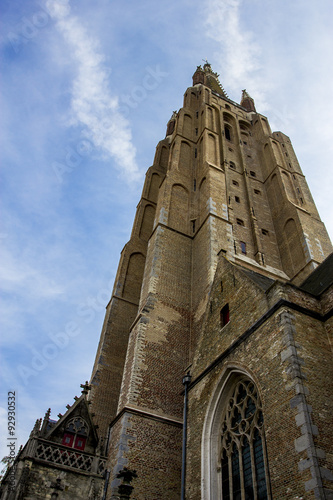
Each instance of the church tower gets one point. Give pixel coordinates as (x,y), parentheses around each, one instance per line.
(220,281)
(213,374)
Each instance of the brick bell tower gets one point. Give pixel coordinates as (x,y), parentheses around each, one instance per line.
(225,197)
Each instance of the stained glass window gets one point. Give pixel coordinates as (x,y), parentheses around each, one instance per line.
(244,474)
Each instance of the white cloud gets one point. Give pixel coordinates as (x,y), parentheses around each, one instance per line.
(239,53)
(93,105)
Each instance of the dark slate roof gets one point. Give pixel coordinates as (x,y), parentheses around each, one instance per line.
(262,281)
(320,279)
(50,424)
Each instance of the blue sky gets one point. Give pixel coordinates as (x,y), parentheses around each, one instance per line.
(86,92)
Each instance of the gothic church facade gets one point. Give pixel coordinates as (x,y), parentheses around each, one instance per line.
(222,307)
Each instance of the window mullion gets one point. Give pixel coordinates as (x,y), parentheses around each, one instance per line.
(241,469)
(230,476)
(253,468)
(264,450)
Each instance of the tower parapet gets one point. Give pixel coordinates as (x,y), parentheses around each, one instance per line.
(206,76)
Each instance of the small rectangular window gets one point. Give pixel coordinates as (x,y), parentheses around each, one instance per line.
(243,247)
(240,222)
(235,183)
(264,232)
(68,439)
(253,174)
(224,315)
(80,443)
(237,199)
(257,191)
(227,133)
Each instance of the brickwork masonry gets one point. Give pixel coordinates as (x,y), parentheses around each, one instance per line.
(296,379)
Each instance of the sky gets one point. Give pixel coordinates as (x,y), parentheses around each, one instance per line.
(86,92)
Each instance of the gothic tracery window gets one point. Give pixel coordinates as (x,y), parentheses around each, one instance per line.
(76,432)
(242,451)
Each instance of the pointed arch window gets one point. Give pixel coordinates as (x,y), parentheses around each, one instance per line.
(242,451)
(76,433)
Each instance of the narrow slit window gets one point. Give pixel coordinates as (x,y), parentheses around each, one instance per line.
(224,315)
(227,133)
(237,199)
(240,222)
(243,247)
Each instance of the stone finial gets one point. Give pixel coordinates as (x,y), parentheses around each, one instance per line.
(207,66)
(46,421)
(47,414)
(36,428)
(247,102)
(85,388)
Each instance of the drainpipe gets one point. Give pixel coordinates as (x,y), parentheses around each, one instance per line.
(106,484)
(186,383)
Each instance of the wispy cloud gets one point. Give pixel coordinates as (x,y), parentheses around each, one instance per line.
(240,50)
(92,103)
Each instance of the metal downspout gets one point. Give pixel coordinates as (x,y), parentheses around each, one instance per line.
(186,383)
